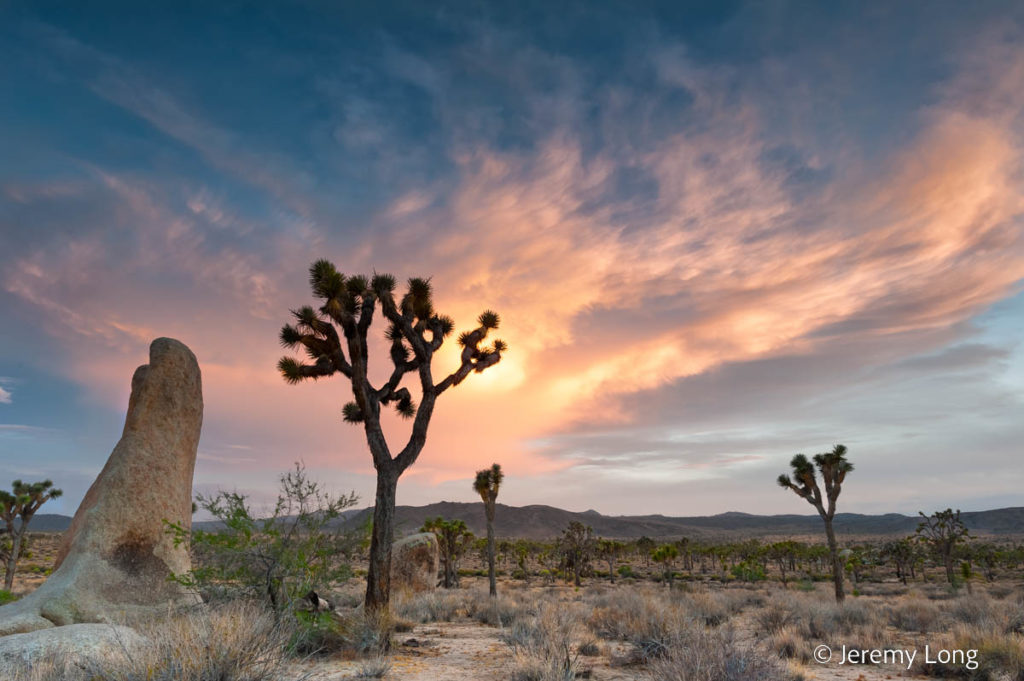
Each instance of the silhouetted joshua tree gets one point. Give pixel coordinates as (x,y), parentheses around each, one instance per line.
(486,485)
(16,510)
(334,337)
(833,467)
(942,531)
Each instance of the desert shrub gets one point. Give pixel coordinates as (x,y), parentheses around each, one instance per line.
(1000,657)
(496,612)
(318,633)
(543,644)
(973,610)
(914,615)
(773,618)
(999,591)
(741,599)
(240,641)
(701,654)
(327,633)
(281,557)
(428,606)
(374,668)
(6,597)
(644,620)
(710,608)
(788,644)
(625,571)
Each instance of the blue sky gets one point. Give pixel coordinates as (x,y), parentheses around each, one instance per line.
(719,234)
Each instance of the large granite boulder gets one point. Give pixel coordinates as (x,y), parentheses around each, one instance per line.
(115,559)
(414,562)
(63,650)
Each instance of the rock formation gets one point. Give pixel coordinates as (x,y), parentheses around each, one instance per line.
(414,562)
(76,645)
(116,557)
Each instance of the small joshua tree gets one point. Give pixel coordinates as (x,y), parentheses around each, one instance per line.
(833,467)
(453,538)
(577,546)
(20,504)
(487,483)
(942,531)
(609,551)
(666,554)
(334,337)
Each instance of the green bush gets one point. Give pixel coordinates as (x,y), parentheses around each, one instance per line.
(7,597)
(279,558)
(748,571)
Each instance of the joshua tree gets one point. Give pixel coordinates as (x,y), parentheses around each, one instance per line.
(577,544)
(942,531)
(666,555)
(334,337)
(901,553)
(609,550)
(453,538)
(486,485)
(833,467)
(644,545)
(21,503)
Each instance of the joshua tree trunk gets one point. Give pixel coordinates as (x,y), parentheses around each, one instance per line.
(491,577)
(12,561)
(378,577)
(947,561)
(837,568)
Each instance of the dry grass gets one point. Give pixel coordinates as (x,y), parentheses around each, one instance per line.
(546,645)
(702,654)
(235,642)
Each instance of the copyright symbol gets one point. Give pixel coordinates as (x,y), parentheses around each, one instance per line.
(822,654)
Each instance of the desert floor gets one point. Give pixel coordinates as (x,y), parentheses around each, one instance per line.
(456,635)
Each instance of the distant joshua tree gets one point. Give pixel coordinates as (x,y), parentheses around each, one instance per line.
(833,467)
(942,531)
(609,550)
(453,538)
(666,554)
(16,510)
(486,485)
(577,546)
(334,338)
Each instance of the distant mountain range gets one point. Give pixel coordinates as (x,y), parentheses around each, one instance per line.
(544,522)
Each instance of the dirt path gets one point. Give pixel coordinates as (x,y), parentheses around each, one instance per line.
(451,651)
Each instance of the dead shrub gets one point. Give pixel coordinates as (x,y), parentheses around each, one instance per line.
(714,655)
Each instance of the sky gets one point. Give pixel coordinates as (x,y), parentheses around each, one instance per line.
(718,234)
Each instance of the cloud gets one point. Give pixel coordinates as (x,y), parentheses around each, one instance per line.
(688,289)
(5,396)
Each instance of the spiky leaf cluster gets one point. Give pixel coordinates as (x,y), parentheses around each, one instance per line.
(333,337)
(833,468)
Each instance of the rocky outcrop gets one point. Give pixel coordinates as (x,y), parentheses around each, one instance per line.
(414,562)
(116,558)
(63,650)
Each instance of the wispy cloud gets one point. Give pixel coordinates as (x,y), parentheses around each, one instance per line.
(688,287)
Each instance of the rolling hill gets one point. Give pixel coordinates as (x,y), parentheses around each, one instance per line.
(543,522)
